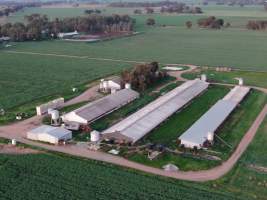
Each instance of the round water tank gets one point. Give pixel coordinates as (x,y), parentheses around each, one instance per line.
(127,86)
(55,115)
(95,136)
(203,77)
(210,136)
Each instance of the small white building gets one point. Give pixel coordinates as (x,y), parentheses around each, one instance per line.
(49,134)
(109,85)
(67,35)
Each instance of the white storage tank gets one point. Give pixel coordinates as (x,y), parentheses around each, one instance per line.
(127,86)
(14,142)
(55,115)
(95,136)
(240,81)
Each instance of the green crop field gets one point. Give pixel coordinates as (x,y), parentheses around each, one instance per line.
(30,76)
(47,176)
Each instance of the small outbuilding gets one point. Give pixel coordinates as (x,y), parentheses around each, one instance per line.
(49,134)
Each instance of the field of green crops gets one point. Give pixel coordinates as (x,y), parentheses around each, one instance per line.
(25,77)
(48,176)
(51,176)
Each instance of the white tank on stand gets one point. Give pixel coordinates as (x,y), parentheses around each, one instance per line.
(95,136)
(240,81)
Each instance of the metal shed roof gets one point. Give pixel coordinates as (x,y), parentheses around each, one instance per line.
(209,122)
(143,121)
(106,104)
(56,132)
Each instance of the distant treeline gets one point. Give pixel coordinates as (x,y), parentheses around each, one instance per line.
(257,25)
(235,2)
(39,27)
(143,4)
(8,9)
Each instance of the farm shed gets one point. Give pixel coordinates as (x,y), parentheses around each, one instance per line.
(49,134)
(97,109)
(203,129)
(137,125)
(54,104)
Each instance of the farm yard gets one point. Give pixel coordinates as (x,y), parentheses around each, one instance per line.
(127,105)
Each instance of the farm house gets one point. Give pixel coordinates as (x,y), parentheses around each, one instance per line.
(101,107)
(137,125)
(49,134)
(203,129)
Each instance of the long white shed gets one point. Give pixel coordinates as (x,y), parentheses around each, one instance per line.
(137,125)
(203,129)
(99,108)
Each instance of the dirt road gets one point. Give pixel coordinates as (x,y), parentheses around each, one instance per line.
(205,175)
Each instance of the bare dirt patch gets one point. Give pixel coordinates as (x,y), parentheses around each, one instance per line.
(10,149)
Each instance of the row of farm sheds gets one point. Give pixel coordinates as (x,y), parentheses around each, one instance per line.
(136,126)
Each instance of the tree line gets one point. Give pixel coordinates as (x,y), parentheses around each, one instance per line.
(8,9)
(143,4)
(142,76)
(257,25)
(211,22)
(39,27)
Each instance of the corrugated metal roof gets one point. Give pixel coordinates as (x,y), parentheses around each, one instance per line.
(209,122)
(57,132)
(143,121)
(106,104)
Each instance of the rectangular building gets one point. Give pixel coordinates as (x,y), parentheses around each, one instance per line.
(101,107)
(49,134)
(137,125)
(203,129)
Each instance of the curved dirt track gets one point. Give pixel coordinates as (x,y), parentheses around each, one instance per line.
(18,131)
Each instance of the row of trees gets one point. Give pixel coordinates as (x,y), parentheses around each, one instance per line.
(143,76)
(180,8)
(39,27)
(210,22)
(143,4)
(236,2)
(257,25)
(92,11)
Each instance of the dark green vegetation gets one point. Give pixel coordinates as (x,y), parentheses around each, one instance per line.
(47,176)
(250,77)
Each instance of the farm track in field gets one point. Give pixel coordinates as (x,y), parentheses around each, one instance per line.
(72,56)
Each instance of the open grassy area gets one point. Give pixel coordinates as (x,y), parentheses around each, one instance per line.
(250,77)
